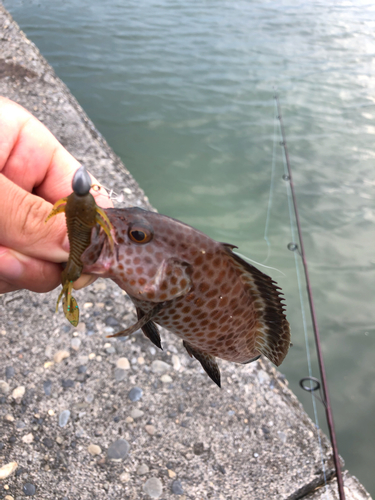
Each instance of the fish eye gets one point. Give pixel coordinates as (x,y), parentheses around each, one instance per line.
(140,234)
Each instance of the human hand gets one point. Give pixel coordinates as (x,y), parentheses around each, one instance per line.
(35,172)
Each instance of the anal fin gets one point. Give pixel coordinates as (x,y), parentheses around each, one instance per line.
(207,361)
(150,330)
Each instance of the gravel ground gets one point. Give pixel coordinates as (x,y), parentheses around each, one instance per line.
(85,417)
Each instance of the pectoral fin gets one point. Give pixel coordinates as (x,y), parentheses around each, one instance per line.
(171,280)
(150,330)
(207,361)
(140,323)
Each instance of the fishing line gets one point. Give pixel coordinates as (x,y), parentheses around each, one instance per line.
(270,196)
(244,257)
(292,201)
(109,193)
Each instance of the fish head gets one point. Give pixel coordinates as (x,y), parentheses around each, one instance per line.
(148,260)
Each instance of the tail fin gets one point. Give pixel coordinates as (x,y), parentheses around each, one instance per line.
(273,335)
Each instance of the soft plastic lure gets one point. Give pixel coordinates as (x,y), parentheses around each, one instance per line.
(82,215)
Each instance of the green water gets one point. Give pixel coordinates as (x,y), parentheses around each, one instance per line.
(183,92)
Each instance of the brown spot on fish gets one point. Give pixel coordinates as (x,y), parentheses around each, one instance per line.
(212,304)
(203,287)
(198,261)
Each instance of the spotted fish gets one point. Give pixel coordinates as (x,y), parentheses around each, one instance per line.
(199,289)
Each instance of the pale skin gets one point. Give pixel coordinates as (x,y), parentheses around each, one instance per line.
(35,172)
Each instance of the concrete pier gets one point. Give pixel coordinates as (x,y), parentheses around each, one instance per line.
(88,417)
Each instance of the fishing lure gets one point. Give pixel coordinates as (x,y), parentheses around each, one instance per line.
(82,215)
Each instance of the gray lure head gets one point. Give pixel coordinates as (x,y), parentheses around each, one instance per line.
(81,182)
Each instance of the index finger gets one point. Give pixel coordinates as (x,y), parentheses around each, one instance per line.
(33,158)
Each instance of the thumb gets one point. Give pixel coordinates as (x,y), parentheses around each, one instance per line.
(22,225)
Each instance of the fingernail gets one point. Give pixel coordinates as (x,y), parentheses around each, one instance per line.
(83,281)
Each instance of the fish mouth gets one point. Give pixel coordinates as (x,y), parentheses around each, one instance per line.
(99,258)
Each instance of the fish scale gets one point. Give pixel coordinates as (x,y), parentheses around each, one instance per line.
(199,289)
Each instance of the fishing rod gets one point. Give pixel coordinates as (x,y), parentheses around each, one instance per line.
(326,399)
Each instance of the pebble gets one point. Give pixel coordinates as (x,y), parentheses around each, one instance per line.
(198,448)
(4,387)
(59,440)
(9,418)
(63,418)
(9,372)
(94,449)
(7,469)
(129,420)
(19,392)
(89,398)
(48,443)
(150,429)
(142,469)
(60,355)
(263,376)
(47,386)
(135,394)
(20,424)
(92,355)
(166,379)
(124,477)
(111,321)
(135,414)
(8,497)
(153,487)
(123,364)
(28,438)
(81,327)
(82,369)
(83,360)
(120,374)
(67,383)
(158,366)
(29,489)
(282,436)
(118,450)
(176,362)
(141,360)
(87,305)
(75,343)
(177,487)
(110,350)
(171,474)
